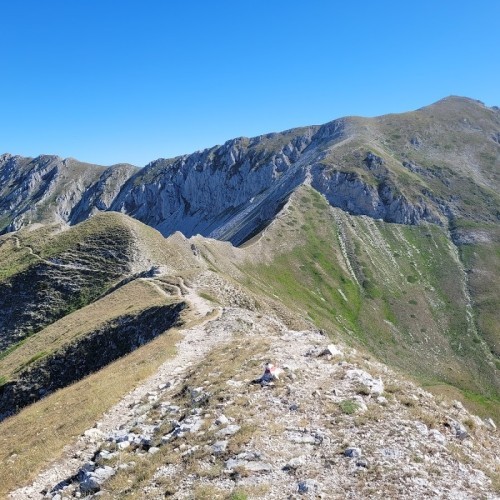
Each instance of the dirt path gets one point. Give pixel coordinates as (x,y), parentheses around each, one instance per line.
(157,287)
(52,263)
(199,306)
(195,344)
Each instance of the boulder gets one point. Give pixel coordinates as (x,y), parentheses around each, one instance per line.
(459,430)
(249,466)
(373,385)
(222,420)
(352,452)
(229,430)
(92,480)
(435,435)
(219,447)
(294,463)
(491,424)
(331,350)
(309,487)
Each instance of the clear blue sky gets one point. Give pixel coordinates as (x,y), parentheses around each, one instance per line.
(129,81)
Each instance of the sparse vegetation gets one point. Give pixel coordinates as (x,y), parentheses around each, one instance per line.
(238,495)
(38,434)
(383,314)
(349,406)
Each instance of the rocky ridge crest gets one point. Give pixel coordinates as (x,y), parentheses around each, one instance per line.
(232,191)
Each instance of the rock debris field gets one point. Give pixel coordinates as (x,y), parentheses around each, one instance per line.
(333,424)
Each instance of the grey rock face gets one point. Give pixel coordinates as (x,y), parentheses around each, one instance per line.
(52,189)
(231,192)
(101,194)
(225,192)
(346,190)
(25,182)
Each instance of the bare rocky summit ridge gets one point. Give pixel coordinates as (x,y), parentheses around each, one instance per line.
(335,424)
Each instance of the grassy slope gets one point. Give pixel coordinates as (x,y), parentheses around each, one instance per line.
(129,299)
(408,305)
(455,163)
(450,148)
(111,246)
(459,162)
(49,273)
(483,263)
(30,440)
(36,436)
(49,241)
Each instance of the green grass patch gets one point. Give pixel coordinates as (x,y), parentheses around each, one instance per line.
(349,406)
(383,314)
(31,360)
(12,348)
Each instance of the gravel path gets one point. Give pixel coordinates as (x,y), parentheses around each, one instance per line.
(195,344)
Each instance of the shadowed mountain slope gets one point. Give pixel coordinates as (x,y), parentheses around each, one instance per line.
(47,273)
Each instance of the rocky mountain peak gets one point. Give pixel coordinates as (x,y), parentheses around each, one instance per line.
(231,191)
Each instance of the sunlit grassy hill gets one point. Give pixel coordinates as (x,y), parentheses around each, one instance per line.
(399,291)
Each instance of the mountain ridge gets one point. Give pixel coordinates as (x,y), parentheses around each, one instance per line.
(360,256)
(299,152)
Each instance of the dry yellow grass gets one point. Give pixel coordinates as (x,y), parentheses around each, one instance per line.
(129,299)
(476,404)
(36,436)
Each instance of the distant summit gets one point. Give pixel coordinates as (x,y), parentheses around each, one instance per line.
(403,168)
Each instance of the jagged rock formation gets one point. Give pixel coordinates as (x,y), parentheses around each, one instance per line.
(399,168)
(50,189)
(345,190)
(226,192)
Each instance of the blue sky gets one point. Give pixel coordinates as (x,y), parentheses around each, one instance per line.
(109,81)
